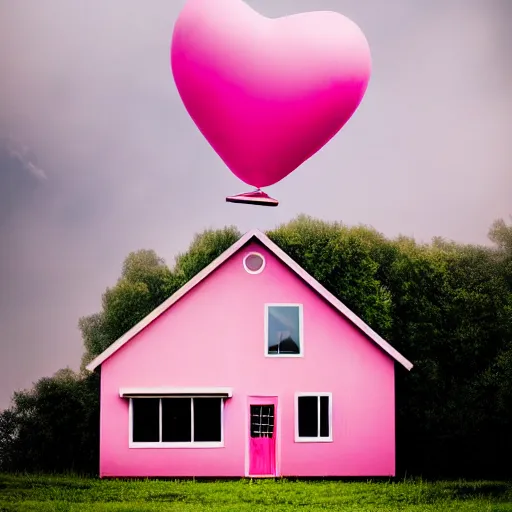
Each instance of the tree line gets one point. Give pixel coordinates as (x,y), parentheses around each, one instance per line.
(446,306)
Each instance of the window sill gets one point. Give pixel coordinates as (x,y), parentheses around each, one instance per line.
(283,355)
(176,445)
(313,439)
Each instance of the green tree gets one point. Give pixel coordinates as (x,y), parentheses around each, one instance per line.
(53,426)
(340,259)
(205,247)
(501,234)
(145,282)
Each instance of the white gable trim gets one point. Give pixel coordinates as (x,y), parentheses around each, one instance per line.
(175,297)
(329,297)
(273,248)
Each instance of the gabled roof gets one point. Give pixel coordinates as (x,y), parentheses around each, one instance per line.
(281,255)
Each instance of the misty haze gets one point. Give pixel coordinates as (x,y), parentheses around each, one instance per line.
(98,156)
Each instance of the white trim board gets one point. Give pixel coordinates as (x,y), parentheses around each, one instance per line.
(281,255)
(180,392)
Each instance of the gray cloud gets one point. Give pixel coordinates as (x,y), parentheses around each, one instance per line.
(86,85)
(19,176)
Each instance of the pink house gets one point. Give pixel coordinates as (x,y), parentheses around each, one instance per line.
(251,369)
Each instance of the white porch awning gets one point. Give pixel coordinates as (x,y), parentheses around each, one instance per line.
(177,392)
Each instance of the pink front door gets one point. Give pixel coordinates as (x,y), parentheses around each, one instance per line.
(262,440)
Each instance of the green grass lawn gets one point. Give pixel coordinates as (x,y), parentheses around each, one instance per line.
(71,493)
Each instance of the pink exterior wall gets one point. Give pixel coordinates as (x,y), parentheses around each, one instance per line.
(214,337)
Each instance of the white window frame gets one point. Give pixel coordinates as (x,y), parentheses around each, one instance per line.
(254,272)
(301,329)
(181,444)
(317,439)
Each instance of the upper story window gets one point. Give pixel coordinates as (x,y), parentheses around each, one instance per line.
(283,330)
(254,263)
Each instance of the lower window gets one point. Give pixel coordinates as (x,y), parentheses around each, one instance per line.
(176,421)
(313,417)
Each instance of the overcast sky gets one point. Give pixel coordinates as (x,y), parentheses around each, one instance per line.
(106,159)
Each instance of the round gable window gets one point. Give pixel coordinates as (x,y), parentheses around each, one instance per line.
(254,263)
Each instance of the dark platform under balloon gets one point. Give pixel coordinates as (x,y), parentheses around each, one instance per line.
(257,197)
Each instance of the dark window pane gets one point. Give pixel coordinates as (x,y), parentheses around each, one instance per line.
(308,416)
(283,330)
(262,420)
(146,422)
(176,420)
(207,419)
(324,416)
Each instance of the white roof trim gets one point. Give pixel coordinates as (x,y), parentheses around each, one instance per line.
(272,247)
(164,391)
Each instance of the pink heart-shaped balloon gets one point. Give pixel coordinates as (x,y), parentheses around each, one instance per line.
(267,94)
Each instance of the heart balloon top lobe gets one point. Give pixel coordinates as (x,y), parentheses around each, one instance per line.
(267,94)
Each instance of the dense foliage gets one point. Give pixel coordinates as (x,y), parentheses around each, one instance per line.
(446,306)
